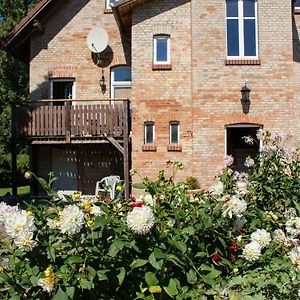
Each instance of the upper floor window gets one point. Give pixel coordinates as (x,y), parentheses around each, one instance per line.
(149,132)
(109,3)
(297,3)
(241,18)
(120,82)
(174,132)
(161,49)
(62,88)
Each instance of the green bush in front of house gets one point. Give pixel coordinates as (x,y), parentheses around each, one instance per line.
(239,240)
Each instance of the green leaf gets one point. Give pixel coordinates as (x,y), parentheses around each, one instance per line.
(34,280)
(151,279)
(70,291)
(121,275)
(176,261)
(201,254)
(51,253)
(155,264)
(139,185)
(74,259)
(102,275)
(86,284)
(191,276)
(91,272)
(138,263)
(115,247)
(171,289)
(60,295)
(99,222)
(189,230)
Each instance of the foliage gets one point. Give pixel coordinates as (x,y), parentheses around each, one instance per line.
(197,247)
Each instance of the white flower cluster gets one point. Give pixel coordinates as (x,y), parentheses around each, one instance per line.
(234,206)
(18,225)
(294,256)
(217,189)
(259,240)
(70,222)
(141,219)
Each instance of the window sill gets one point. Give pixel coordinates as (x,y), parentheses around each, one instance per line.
(157,67)
(297,11)
(107,11)
(174,148)
(229,62)
(149,147)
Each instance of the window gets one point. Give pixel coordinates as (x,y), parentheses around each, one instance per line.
(149,132)
(238,148)
(297,3)
(110,3)
(63,88)
(241,18)
(161,49)
(174,132)
(121,82)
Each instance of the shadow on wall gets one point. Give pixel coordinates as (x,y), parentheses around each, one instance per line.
(71,9)
(157,9)
(296,42)
(41,91)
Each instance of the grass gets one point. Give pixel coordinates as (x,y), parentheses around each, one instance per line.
(22,190)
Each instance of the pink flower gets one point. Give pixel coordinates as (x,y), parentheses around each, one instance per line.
(228,161)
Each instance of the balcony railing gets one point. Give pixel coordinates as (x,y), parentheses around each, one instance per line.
(73,119)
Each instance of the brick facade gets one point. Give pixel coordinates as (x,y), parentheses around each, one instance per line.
(200,88)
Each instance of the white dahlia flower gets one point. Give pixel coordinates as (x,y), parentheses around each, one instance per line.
(279,236)
(25,240)
(294,256)
(262,237)
(234,207)
(217,189)
(141,219)
(293,226)
(17,222)
(6,211)
(252,251)
(96,210)
(71,220)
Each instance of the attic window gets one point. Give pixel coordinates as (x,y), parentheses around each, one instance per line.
(109,3)
(297,7)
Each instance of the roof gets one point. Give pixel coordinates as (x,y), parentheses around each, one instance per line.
(17,41)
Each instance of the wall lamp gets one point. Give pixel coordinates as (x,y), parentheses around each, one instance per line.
(102,83)
(245,91)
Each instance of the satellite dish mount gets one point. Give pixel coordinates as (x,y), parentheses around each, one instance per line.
(97,42)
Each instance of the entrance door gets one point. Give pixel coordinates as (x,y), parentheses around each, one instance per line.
(238,148)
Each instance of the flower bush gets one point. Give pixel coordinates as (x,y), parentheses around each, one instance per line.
(239,240)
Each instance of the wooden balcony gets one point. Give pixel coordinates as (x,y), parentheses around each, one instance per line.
(71,122)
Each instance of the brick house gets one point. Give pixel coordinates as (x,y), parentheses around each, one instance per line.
(182,64)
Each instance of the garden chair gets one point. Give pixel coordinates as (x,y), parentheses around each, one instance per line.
(107,185)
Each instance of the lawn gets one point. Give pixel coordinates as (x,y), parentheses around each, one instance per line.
(22,190)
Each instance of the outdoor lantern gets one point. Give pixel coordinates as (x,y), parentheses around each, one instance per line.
(245,93)
(102,84)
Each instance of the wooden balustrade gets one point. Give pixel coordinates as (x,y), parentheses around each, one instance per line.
(44,120)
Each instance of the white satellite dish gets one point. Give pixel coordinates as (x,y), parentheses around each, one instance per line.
(97,39)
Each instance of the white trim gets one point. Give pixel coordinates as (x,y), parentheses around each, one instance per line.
(241,19)
(178,131)
(155,38)
(52,80)
(117,84)
(145,132)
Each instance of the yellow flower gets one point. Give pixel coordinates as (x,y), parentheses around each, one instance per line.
(48,272)
(86,207)
(1,269)
(119,188)
(76,196)
(28,213)
(235,270)
(90,222)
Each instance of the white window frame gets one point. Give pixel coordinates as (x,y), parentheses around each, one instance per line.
(241,19)
(145,132)
(117,84)
(161,62)
(241,126)
(53,80)
(178,132)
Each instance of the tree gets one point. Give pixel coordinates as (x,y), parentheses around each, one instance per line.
(13,73)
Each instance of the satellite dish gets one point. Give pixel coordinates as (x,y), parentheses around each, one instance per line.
(97,39)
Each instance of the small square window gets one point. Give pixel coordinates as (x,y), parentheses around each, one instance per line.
(149,132)
(161,47)
(174,133)
(297,3)
(110,3)
(62,88)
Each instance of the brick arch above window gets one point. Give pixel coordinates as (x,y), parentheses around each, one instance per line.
(65,71)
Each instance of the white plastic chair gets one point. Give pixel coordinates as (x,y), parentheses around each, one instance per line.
(107,184)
